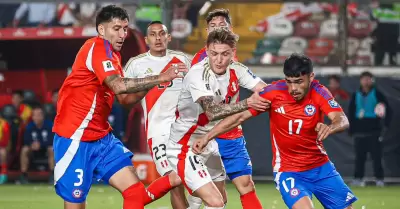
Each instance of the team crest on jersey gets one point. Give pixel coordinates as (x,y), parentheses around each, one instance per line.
(309,110)
(333,103)
(77,193)
(294,192)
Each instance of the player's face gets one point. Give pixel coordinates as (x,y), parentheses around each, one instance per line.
(218,22)
(220,56)
(16,100)
(298,86)
(366,82)
(157,37)
(37,116)
(115,32)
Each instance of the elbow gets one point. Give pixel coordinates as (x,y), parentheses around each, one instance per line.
(210,116)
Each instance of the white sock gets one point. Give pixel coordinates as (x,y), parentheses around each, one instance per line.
(194,202)
(206,207)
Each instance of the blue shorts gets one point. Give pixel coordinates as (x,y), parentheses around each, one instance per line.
(235,157)
(324,182)
(77,163)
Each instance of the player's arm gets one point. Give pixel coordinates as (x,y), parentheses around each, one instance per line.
(216,111)
(332,109)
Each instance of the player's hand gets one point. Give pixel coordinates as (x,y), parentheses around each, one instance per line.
(174,71)
(35,146)
(199,145)
(323,131)
(258,103)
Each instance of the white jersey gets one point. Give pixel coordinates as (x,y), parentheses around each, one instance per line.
(202,81)
(159,104)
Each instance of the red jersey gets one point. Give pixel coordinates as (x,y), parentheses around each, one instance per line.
(293,137)
(85,102)
(199,56)
(5,133)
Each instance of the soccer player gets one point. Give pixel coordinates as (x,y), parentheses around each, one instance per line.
(84,147)
(215,19)
(5,137)
(301,165)
(232,145)
(209,93)
(159,104)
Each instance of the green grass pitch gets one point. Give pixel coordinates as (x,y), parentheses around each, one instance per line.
(41,196)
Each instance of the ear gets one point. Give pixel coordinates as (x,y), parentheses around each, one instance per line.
(101,29)
(169,38)
(207,51)
(145,40)
(312,76)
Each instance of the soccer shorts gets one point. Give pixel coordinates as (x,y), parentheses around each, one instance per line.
(77,163)
(158,149)
(196,170)
(324,182)
(235,157)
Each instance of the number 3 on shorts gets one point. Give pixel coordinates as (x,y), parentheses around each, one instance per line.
(80,177)
(290,180)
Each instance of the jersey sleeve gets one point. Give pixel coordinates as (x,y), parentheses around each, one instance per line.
(103,62)
(325,100)
(247,79)
(269,92)
(130,69)
(196,85)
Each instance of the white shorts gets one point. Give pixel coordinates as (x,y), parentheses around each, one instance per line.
(158,148)
(196,170)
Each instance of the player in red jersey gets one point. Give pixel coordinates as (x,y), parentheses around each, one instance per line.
(84,147)
(301,165)
(215,19)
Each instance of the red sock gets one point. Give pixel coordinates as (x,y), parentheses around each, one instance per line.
(133,196)
(157,189)
(3,169)
(250,201)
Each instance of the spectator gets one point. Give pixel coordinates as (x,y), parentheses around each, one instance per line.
(51,108)
(5,134)
(368,106)
(23,110)
(38,137)
(334,86)
(39,14)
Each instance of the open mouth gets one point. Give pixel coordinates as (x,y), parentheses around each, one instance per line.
(120,42)
(158,44)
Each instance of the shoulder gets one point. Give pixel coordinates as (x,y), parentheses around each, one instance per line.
(180,55)
(49,124)
(276,86)
(31,125)
(136,59)
(238,66)
(320,90)
(199,71)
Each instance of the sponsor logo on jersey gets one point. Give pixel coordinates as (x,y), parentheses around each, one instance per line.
(108,66)
(280,110)
(251,73)
(333,103)
(309,110)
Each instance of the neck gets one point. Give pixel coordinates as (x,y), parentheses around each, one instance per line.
(158,53)
(39,125)
(366,89)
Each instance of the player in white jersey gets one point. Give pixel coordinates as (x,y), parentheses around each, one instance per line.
(159,103)
(203,101)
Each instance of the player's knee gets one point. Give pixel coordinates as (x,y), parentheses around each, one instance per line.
(213,201)
(174,179)
(245,185)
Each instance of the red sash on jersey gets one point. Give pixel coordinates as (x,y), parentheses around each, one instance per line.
(233,88)
(155,93)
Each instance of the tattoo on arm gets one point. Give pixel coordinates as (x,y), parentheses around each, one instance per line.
(216,111)
(131,85)
(339,123)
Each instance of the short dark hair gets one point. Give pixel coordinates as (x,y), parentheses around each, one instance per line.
(297,65)
(222,36)
(153,23)
(37,106)
(55,91)
(107,13)
(334,77)
(219,12)
(19,93)
(366,74)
